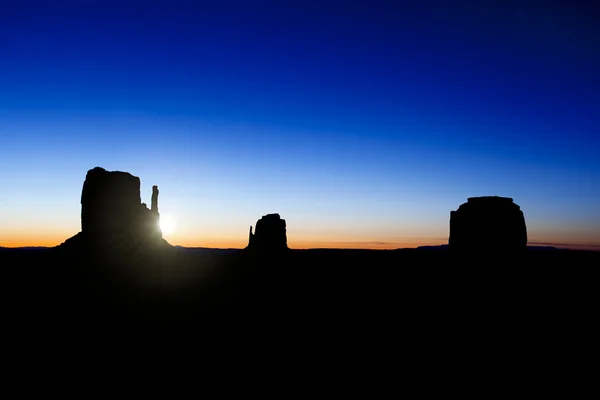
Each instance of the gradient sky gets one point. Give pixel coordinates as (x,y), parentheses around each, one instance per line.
(362,123)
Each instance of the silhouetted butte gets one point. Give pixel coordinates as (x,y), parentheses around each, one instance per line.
(111,210)
(489,225)
(270,234)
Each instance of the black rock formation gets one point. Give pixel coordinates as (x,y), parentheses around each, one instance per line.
(116,227)
(154,204)
(269,235)
(111,203)
(489,225)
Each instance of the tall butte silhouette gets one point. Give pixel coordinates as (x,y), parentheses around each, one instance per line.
(488,225)
(269,236)
(113,217)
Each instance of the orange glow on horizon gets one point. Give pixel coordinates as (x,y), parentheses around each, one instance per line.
(46,239)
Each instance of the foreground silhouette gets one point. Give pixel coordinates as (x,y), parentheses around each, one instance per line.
(119,276)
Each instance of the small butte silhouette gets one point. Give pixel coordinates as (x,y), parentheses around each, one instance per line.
(119,275)
(270,234)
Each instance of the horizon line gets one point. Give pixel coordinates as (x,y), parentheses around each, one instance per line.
(567,246)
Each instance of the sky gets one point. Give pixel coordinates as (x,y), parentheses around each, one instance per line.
(361,123)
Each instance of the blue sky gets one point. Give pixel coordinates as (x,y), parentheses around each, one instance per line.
(359,122)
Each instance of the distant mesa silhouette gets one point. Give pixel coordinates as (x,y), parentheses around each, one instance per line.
(111,207)
(269,235)
(488,225)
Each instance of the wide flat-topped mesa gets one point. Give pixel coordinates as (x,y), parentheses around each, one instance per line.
(110,201)
(270,234)
(488,224)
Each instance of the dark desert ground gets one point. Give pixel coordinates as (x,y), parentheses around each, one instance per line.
(125,279)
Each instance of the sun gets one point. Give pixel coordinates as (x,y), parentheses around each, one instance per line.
(167,225)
